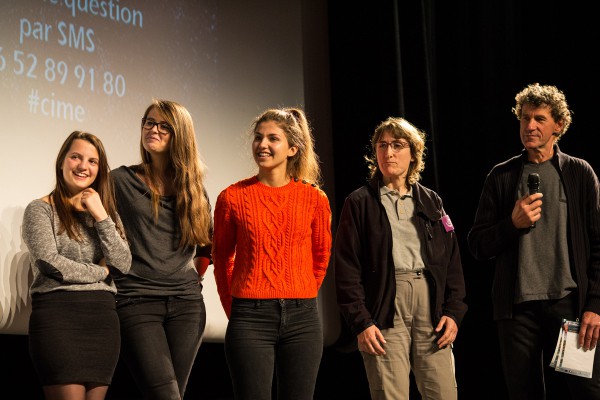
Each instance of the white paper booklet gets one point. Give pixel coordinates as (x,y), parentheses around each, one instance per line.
(568,357)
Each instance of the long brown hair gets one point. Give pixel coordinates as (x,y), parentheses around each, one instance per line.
(103,184)
(193,208)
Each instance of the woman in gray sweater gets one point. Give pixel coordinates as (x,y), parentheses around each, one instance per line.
(76,245)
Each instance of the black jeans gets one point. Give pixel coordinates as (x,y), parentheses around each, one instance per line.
(281,335)
(160,338)
(527,343)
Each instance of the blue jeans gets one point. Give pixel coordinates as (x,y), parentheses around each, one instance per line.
(160,338)
(274,335)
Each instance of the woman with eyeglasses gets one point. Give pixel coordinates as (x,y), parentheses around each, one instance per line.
(398,273)
(167,216)
(272,243)
(77,246)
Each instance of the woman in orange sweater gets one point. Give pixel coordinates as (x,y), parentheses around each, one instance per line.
(271,248)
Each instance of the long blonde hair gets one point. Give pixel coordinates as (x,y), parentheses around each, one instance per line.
(304,164)
(192,206)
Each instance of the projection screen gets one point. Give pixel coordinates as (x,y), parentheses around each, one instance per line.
(95,65)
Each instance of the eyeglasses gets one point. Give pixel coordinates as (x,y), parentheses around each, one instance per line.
(163,127)
(396,146)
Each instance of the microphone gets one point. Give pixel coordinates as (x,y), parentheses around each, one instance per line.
(533,183)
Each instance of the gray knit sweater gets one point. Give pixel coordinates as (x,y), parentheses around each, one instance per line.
(61,263)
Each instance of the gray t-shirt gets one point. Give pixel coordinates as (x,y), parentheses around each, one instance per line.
(544,271)
(160,267)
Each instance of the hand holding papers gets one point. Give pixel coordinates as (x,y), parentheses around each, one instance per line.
(568,356)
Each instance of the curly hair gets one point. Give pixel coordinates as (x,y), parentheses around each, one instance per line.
(399,128)
(545,95)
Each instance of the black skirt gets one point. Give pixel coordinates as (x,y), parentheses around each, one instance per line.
(74,337)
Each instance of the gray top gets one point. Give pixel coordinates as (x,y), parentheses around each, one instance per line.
(61,263)
(160,267)
(544,270)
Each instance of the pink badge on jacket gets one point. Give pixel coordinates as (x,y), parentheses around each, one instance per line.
(447,223)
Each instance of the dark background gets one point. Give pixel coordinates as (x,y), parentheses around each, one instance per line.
(451,68)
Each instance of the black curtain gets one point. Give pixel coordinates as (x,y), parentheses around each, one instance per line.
(453,70)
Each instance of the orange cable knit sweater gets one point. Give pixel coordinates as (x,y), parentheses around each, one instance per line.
(270,243)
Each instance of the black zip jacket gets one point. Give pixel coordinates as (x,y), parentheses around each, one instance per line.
(364,267)
(493,236)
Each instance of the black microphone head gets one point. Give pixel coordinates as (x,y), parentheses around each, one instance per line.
(533,182)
